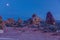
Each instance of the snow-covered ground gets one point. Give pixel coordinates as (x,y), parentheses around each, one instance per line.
(28,34)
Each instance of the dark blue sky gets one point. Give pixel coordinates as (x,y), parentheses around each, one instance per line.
(25,8)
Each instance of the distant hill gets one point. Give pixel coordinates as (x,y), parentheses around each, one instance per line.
(58,21)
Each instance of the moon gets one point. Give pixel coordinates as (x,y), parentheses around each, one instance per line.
(7,4)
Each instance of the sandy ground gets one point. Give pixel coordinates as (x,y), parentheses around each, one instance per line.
(12,34)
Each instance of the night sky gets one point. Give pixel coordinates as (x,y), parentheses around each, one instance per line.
(25,8)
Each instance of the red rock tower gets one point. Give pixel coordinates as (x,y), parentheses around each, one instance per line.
(50,19)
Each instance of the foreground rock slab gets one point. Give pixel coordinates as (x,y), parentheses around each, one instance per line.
(27,35)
